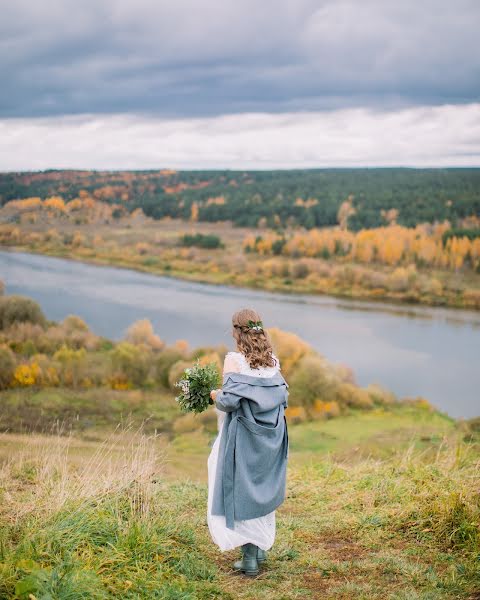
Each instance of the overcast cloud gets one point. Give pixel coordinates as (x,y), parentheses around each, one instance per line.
(426,136)
(197,73)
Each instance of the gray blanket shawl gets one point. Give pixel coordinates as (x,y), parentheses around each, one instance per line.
(250,479)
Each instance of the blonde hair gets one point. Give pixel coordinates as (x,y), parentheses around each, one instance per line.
(254,344)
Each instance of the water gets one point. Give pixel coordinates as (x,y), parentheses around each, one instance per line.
(413,351)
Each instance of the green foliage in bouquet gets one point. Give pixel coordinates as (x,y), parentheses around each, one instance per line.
(196,384)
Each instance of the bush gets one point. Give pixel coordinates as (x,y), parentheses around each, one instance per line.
(141,333)
(209,350)
(26,375)
(16,308)
(73,364)
(379,395)
(131,361)
(348,394)
(73,323)
(7,366)
(299,270)
(472,298)
(311,380)
(164,363)
(295,414)
(175,373)
(398,280)
(201,240)
(325,410)
(288,347)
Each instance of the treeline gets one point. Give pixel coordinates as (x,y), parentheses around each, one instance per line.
(307,198)
(423,245)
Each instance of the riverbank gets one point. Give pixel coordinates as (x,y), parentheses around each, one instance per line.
(154,247)
(454,300)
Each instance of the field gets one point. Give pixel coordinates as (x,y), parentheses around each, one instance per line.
(380,504)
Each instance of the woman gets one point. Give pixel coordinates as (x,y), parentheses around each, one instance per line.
(247,464)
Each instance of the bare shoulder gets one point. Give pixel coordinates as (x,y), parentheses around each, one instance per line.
(232,363)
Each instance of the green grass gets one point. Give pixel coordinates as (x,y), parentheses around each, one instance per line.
(379,505)
(51,409)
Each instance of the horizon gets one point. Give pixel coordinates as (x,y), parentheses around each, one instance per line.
(231,170)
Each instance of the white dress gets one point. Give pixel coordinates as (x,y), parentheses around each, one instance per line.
(261,530)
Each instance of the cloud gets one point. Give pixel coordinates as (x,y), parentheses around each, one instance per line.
(192,59)
(447,135)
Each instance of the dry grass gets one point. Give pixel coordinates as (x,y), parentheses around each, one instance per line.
(403,527)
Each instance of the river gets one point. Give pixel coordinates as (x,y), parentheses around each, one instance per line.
(411,350)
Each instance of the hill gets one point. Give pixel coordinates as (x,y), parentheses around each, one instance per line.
(390,513)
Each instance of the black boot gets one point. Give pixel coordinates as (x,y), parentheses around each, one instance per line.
(249,563)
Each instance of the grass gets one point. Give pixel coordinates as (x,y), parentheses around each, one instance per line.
(378,506)
(64,409)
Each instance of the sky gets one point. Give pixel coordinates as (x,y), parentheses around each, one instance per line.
(118,84)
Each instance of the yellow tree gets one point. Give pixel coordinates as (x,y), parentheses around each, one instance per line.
(194,212)
(345,211)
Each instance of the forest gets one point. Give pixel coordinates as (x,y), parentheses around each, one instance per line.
(307,198)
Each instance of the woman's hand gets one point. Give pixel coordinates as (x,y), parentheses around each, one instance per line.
(213,394)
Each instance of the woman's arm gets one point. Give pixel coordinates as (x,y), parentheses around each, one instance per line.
(225,400)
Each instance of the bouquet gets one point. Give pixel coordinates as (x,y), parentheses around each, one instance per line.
(196,384)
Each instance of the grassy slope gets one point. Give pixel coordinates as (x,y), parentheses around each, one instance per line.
(379,505)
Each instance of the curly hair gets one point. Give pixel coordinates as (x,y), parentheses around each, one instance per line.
(255,345)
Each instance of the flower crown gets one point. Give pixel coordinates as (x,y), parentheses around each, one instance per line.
(255,325)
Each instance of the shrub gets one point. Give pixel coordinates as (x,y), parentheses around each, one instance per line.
(20,333)
(141,332)
(209,350)
(131,361)
(380,395)
(73,323)
(27,374)
(201,240)
(311,380)
(295,414)
(164,363)
(299,270)
(7,366)
(175,373)
(348,394)
(73,363)
(325,410)
(472,298)
(206,357)
(432,286)
(398,280)
(18,308)
(48,370)
(288,347)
